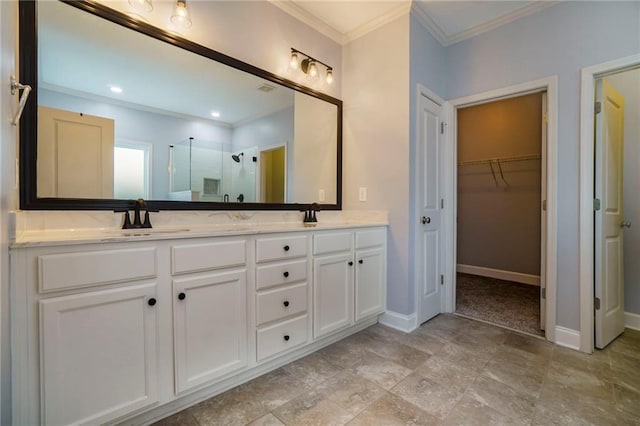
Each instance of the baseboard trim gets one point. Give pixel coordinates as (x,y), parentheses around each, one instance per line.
(400,322)
(567,337)
(632,321)
(499,274)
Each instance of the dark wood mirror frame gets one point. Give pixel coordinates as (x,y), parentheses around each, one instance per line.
(28,60)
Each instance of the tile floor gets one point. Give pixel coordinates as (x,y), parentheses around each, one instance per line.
(451,371)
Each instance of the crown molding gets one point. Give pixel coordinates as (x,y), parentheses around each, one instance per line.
(393,14)
(309,19)
(445,40)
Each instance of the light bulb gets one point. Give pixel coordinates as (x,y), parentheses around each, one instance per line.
(142,5)
(180,16)
(294,60)
(329,76)
(313,69)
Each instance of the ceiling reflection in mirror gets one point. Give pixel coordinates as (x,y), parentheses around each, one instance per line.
(122,115)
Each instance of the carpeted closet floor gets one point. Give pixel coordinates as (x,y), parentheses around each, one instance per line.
(499,302)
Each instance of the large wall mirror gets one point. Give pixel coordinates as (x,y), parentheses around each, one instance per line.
(123,110)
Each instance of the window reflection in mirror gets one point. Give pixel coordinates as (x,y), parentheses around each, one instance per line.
(198,130)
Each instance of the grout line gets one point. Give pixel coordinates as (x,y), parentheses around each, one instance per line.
(500,326)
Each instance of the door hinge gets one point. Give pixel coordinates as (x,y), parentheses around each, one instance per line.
(442,203)
(441,279)
(596,204)
(442,124)
(545,118)
(598,107)
(543,292)
(544,205)
(596,303)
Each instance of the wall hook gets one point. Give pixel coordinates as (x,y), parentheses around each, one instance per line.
(15,89)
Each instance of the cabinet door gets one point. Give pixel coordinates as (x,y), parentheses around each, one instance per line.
(210,327)
(370,279)
(98,355)
(333,293)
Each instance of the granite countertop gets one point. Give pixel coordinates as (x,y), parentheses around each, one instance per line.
(53,237)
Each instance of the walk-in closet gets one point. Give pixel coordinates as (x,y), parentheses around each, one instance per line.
(500,201)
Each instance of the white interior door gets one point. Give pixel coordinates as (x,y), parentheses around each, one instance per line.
(75,154)
(430,261)
(609,286)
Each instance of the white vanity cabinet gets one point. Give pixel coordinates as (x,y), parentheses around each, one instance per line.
(209,310)
(130,331)
(92,312)
(282,268)
(349,277)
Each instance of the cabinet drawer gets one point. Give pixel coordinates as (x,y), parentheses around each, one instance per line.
(283,247)
(281,273)
(84,269)
(205,257)
(272,305)
(370,238)
(281,337)
(332,242)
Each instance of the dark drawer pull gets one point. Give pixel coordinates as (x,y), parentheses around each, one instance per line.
(361,261)
(286,274)
(286,337)
(286,248)
(286,303)
(182,296)
(151,301)
(350,263)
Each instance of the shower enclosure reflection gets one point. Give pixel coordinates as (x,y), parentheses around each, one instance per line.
(201,170)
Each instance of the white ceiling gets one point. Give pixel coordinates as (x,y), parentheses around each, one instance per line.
(449,21)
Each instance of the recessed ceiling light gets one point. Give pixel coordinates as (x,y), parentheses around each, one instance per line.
(215,114)
(115,89)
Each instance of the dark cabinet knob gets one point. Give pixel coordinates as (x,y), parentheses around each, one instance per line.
(182,296)
(286,303)
(286,274)
(286,337)
(286,248)
(350,263)
(361,261)
(152,301)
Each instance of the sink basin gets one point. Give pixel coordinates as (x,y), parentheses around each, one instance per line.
(144,232)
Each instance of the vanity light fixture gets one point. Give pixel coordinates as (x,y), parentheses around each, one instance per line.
(115,89)
(142,5)
(309,65)
(181,17)
(215,114)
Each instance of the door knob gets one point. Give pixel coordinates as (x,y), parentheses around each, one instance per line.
(426,220)
(626,224)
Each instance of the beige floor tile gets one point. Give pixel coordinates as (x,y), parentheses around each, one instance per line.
(423,342)
(399,353)
(463,356)
(266,420)
(527,380)
(548,416)
(183,418)
(391,410)
(450,373)
(569,403)
(250,401)
(530,344)
(312,408)
(351,392)
(343,353)
(591,385)
(434,398)
(444,326)
(511,403)
(589,363)
(312,369)
(627,346)
(627,400)
(380,370)
(470,412)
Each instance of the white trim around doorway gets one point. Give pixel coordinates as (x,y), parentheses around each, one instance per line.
(586,235)
(550,85)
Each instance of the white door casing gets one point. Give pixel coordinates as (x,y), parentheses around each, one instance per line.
(430,255)
(609,286)
(543,215)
